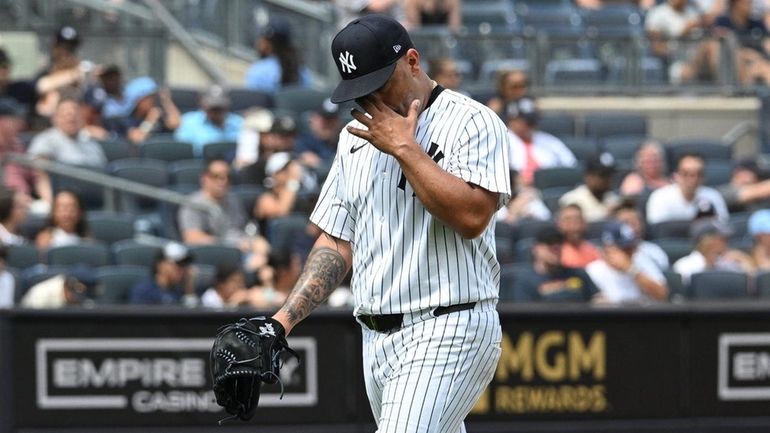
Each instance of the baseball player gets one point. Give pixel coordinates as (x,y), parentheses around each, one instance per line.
(409,204)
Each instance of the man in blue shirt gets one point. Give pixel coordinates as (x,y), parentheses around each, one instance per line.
(171,282)
(213,122)
(548,280)
(316,147)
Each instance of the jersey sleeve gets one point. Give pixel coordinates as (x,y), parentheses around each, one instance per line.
(482,155)
(331,213)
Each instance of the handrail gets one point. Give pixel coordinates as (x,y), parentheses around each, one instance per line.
(186,40)
(110,182)
(127,8)
(315,10)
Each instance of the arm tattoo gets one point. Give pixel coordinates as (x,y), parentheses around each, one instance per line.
(324,270)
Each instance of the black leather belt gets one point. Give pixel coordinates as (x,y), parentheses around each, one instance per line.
(391,322)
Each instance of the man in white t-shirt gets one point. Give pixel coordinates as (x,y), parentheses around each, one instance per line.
(595,197)
(679,201)
(532,149)
(672,19)
(622,276)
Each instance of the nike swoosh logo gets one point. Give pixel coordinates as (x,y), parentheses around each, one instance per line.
(356,149)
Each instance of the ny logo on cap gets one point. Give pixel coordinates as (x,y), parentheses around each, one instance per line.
(397,48)
(346,62)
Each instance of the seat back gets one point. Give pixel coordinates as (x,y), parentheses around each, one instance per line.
(89,253)
(166,150)
(215,255)
(130,252)
(115,282)
(719,285)
(110,227)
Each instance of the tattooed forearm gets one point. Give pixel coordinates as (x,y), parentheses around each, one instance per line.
(324,270)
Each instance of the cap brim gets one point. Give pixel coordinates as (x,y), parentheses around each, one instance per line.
(348,90)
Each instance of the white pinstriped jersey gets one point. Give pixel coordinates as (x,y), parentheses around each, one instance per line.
(404,259)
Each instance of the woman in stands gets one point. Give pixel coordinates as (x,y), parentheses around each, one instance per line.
(511,85)
(279,64)
(66,225)
(649,171)
(421,13)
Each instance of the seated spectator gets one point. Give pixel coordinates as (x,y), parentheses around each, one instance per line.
(66,224)
(525,203)
(679,200)
(649,171)
(748,189)
(421,13)
(213,122)
(751,36)
(446,73)
(22,92)
(628,214)
(115,105)
(14,207)
(711,251)
(66,74)
(16,176)
(91,107)
(316,147)
(146,117)
(67,143)
(666,24)
(549,280)
(620,274)
(230,290)
(532,149)
(226,223)
(256,124)
(171,282)
(576,252)
(7,281)
(286,268)
(279,63)
(759,229)
(283,182)
(281,137)
(76,287)
(511,85)
(595,197)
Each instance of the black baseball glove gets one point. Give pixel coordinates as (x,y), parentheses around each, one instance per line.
(245,354)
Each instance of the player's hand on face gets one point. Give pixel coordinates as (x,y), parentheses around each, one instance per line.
(386,129)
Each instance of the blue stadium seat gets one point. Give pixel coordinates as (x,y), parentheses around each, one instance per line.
(186,99)
(131,252)
(670,229)
(152,172)
(573,72)
(603,125)
(186,171)
(22,256)
(299,99)
(558,177)
(719,285)
(220,150)
(675,248)
(90,193)
(166,150)
(283,232)
(88,253)
(115,282)
(490,68)
(561,125)
(718,173)
(613,21)
(582,148)
(110,227)
(762,283)
(116,149)
(243,99)
(623,147)
(709,149)
(528,228)
(508,274)
(676,288)
(215,255)
(489,16)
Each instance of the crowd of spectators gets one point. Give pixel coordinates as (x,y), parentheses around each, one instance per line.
(597,239)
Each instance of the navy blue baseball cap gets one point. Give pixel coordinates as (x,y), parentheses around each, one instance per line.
(365,53)
(620,235)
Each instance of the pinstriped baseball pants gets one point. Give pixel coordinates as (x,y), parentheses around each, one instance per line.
(426,377)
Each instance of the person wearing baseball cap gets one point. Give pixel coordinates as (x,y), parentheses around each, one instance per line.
(595,196)
(22,91)
(532,149)
(213,122)
(711,250)
(171,281)
(548,280)
(419,173)
(316,147)
(621,275)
